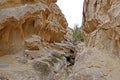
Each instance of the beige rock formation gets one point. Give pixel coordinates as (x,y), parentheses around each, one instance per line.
(101,24)
(19,19)
(33,43)
(93,64)
(33,29)
(29,31)
(51,62)
(100,60)
(69,34)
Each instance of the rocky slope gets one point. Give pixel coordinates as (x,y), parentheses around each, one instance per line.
(39,61)
(100,60)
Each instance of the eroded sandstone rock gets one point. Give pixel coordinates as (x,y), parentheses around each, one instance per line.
(100,60)
(93,64)
(48,64)
(19,19)
(101,24)
(33,43)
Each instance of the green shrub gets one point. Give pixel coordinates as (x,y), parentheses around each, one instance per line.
(77,35)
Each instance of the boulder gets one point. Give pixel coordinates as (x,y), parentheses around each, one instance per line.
(33,43)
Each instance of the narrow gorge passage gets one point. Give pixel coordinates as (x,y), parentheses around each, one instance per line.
(37,44)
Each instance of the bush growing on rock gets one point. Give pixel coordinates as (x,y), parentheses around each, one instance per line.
(77,34)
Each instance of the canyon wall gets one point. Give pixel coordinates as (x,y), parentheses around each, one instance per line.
(100,59)
(19,19)
(101,22)
(32,41)
(33,29)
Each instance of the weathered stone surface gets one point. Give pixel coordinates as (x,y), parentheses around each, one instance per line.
(100,60)
(48,64)
(69,34)
(33,43)
(93,64)
(52,61)
(101,20)
(19,19)
(25,25)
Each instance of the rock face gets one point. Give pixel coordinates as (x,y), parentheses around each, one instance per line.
(69,34)
(19,19)
(101,24)
(100,60)
(50,61)
(93,64)
(32,29)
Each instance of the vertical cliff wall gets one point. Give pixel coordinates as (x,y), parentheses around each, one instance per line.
(100,59)
(101,22)
(19,19)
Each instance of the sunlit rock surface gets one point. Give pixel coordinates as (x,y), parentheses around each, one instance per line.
(29,30)
(19,19)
